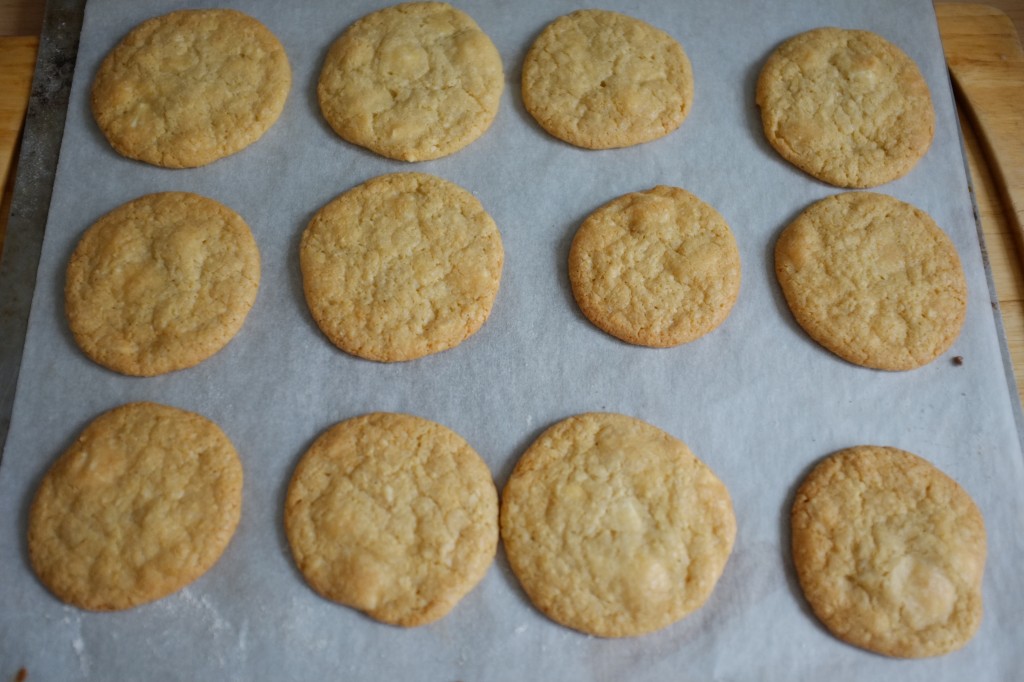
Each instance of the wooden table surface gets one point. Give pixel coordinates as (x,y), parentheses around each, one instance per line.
(23,18)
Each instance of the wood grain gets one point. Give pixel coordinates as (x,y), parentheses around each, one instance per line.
(985,58)
(1013,9)
(984,55)
(17,61)
(21,17)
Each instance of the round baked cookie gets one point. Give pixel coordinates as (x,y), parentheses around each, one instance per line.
(848,107)
(889,552)
(190,87)
(143,503)
(412,82)
(401,266)
(872,279)
(656,268)
(161,283)
(613,527)
(599,80)
(393,515)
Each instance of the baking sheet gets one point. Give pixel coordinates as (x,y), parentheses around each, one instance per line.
(756,399)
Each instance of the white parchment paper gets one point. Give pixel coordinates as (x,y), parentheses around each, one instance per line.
(757,399)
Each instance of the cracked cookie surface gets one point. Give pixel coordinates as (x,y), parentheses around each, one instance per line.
(656,268)
(614,527)
(848,107)
(401,266)
(393,515)
(872,279)
(143,503)
(889,552)
(161,283)
(190,87)
(412,82)
(599,80)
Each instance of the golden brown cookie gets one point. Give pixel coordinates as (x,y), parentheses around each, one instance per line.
(401,266)
(656,268)
(393,515)
(412,82)
(143,503)
(872,279)
(190,87)
(890,552)
(848,107)
(161,283)
(599,79)
(613,527)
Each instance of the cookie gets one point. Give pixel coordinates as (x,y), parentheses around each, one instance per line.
(161,283)
(889,552)
(872,279)
(190,87)
(847,107)
(402,266)
(598,79)
(656,268)
(393,515)
(613,527)
(412,82)
(143,503)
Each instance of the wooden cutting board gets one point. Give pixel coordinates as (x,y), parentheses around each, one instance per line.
(985,58)
(17,61)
